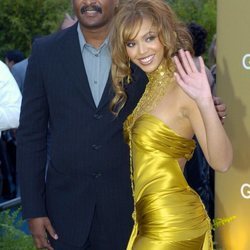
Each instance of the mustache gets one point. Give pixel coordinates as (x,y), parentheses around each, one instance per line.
(91,7)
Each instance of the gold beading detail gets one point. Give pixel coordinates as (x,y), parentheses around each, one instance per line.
(159,81)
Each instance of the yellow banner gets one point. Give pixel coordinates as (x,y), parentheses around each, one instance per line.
(233,85)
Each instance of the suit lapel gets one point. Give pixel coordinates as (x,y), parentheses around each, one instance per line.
(72,63)
(107,93)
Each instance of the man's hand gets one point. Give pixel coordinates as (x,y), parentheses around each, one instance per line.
(39,228)
(220,108)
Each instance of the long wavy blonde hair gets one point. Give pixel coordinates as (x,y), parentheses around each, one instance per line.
(172,33)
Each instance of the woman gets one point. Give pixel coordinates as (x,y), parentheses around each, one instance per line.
(177,103)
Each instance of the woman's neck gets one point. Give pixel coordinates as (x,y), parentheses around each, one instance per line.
(164,70)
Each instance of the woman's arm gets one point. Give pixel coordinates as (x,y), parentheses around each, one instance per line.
(202,113)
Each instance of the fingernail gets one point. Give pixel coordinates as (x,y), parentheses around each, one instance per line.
(56,237)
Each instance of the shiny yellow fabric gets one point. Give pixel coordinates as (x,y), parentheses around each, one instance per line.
(168,213)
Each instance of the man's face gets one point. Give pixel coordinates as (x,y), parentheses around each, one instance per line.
(94,14)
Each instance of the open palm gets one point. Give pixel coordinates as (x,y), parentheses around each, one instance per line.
(190,79)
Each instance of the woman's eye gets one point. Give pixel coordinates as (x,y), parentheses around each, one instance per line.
(130,44)
(150,38)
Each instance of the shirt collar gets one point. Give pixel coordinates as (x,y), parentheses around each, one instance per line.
(83,42)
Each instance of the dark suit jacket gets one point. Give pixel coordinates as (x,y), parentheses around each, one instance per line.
(89,159)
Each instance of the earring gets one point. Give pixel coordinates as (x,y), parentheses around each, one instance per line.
(129,72)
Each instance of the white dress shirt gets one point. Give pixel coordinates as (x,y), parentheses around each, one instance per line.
(10,99)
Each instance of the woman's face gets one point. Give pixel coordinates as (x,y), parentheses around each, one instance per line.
(146,50)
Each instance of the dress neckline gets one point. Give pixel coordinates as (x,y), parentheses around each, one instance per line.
(160,121)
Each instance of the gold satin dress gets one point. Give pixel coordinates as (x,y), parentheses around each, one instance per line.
(168,213)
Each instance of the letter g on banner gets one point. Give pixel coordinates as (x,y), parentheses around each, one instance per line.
(245,191)
(246,61)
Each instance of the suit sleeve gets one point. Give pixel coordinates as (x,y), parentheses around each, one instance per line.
(32,138)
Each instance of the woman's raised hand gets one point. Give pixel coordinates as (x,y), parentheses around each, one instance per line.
(190,79)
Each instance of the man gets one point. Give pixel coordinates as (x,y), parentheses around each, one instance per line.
(18,70)
(85,202)
(68,21)
(10,99)
(12,57)
(10,102)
